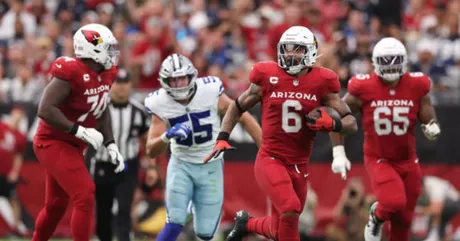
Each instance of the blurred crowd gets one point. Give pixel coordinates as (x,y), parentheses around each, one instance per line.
(224,38)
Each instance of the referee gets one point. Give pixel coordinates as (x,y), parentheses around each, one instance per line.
(129,123)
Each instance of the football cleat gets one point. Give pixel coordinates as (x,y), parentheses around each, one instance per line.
(373,230)
(239,230)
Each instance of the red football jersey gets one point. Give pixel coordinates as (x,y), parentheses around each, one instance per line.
(85,104)
(285,103)
(11,142)
(389,113)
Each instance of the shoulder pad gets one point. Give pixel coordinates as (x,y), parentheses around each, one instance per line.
(422,81)
(356,82)
(63,68)
(151,102)
(260,70)
(328,74)
(213,83)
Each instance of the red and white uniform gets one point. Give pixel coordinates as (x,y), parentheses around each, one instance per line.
(85,104)
(285,103)
(281,168)
(11,142)
(389,114)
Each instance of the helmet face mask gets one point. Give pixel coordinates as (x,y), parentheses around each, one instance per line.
(96,42)
(174,67)
(389,59)
(297,50)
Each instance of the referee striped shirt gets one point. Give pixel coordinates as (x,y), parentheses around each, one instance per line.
(129,123)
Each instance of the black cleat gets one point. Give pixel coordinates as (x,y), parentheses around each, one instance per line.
(239,231)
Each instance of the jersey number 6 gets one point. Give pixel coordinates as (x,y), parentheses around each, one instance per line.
(286,115)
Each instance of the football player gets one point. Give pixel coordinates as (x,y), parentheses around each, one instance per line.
(391,101)
(186,114)
(288,91)
(73,114)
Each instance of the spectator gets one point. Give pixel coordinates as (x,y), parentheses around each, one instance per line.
(148,53)
(352,207)
(307,220)
(443,205)
(17,23)
(24,87)
(12,148)
(427,64)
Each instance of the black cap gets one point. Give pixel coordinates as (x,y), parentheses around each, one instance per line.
(123,76)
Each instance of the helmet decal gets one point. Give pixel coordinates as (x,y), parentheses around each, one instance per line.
(92,36)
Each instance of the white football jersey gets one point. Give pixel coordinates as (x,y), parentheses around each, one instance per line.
(201,114)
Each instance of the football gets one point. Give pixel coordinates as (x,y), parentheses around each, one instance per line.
(332,112)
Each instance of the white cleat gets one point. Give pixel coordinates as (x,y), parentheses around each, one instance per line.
(373,230)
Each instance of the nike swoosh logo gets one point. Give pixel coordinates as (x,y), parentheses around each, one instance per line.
(58,65)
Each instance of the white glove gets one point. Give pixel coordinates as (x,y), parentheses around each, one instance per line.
(116,157)
(90,136)
(431,130)
(340,164)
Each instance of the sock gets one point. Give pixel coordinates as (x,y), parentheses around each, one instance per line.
(80,224)
(288,229)
(46,222)
(169,232)
(381,214)
(260,226)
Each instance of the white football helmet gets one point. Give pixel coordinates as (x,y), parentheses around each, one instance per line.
(95,41)
(176,65)
(297,49)
(389,59)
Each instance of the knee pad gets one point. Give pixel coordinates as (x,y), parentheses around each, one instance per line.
(290,205)
(394,204)
(403,219)
(84,201)
(58,204)
(176,215)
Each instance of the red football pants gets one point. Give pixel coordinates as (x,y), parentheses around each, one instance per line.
(286,187)
(397,186)
(66,179)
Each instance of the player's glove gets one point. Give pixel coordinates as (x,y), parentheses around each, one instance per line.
(323,123)
(88,135)
(178,131)
(115,156)
(431,130)
(220,147)
(340,164)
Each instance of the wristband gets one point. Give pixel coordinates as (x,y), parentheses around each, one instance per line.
(74,129)
(223,136)
(107,143)
(164,138)
(337,126)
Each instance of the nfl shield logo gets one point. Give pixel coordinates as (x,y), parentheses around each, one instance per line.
(296,83)
(392,92)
